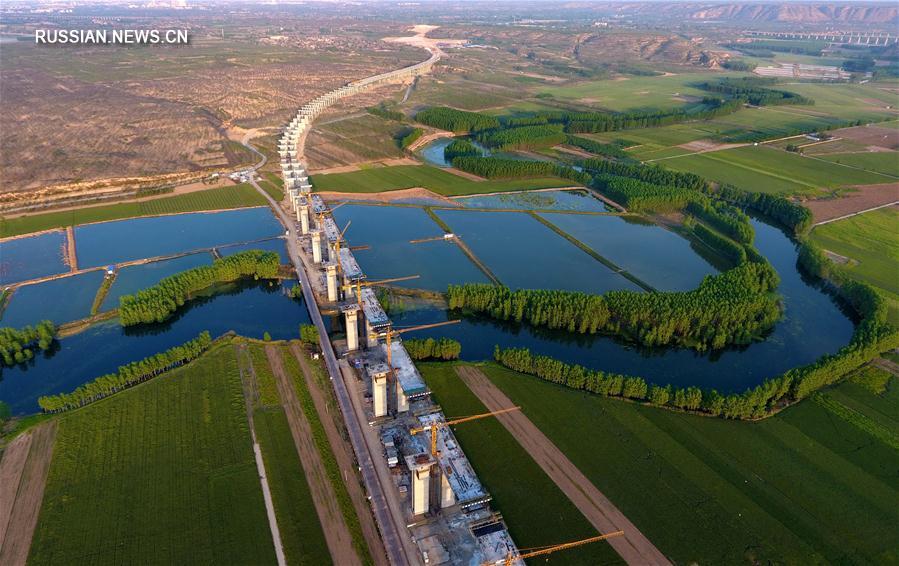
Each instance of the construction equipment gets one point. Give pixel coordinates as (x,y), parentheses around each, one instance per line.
(320,216)
(390,333)
(540,551)
(434,427)
(359,284)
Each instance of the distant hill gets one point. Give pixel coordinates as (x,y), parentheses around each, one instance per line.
(785,12)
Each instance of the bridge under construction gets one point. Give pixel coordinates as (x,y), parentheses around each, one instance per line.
(426,498)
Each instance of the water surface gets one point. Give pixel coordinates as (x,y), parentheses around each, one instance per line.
(655,255)
(525,254)
(132,279)
(60,300)
(38,256)
(137,238)
(578,200)
(250,309)
(813,325)
(388,230)
(274,245)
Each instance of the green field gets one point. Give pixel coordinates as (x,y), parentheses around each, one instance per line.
(273,185)
(536,511)
(768,170)
(301,532)
(379,179)
(817,483)
(292,366)
(869,240)
(886,162)
(236,196)
(159,474)
(631,93)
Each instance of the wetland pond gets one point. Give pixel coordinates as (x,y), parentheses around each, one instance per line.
(33,257)
(516,247)
(579,200)
(127,240)
(250,308)
(813,325)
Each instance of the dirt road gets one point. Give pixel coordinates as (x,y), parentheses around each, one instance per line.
(251,398)
(337,535)
(23,476)
(343,454)
(633,547)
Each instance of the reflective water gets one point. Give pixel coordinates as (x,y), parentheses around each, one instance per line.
(523,253)
(655,255)
(813,325)
(60,300)
(136,277)
(433,154)
(22,259)
(389,231)
(249,309)
(138,238)
(275,245)
(538,200)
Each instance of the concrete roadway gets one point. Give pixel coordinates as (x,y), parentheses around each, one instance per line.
(395,536)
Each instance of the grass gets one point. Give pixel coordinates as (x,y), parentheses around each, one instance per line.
(265,379)
(236,196)
(870,240)
(301,532)
(768,170)
(805,486)
(886,162)
(272,188)
(161,473)
(379,179)
(534,508)
(324,449)
(635,92)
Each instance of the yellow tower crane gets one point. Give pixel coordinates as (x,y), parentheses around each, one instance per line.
(359,284)
(390,333)
(434,427)
(540,551)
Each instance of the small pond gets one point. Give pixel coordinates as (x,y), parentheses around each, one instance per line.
(138,238)
(33,257)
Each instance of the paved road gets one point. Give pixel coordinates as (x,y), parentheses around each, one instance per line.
(391,533)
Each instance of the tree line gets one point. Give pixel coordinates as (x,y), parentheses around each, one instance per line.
(641,196)
(460,147)
(18,345)
(732,307)
(429,348)
(410,138)
(754,91)
(597,148)
(649,173)
(127,376)
(504,168)
(524,137)
(784,211)
(158,302)
(595,122)
(458,121)
(872,336)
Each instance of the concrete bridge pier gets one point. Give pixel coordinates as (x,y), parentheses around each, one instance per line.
(317,246)
(351,312)
(331,270)
(303,217)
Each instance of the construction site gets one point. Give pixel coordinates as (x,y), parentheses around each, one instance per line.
(435,503)
(440,501)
